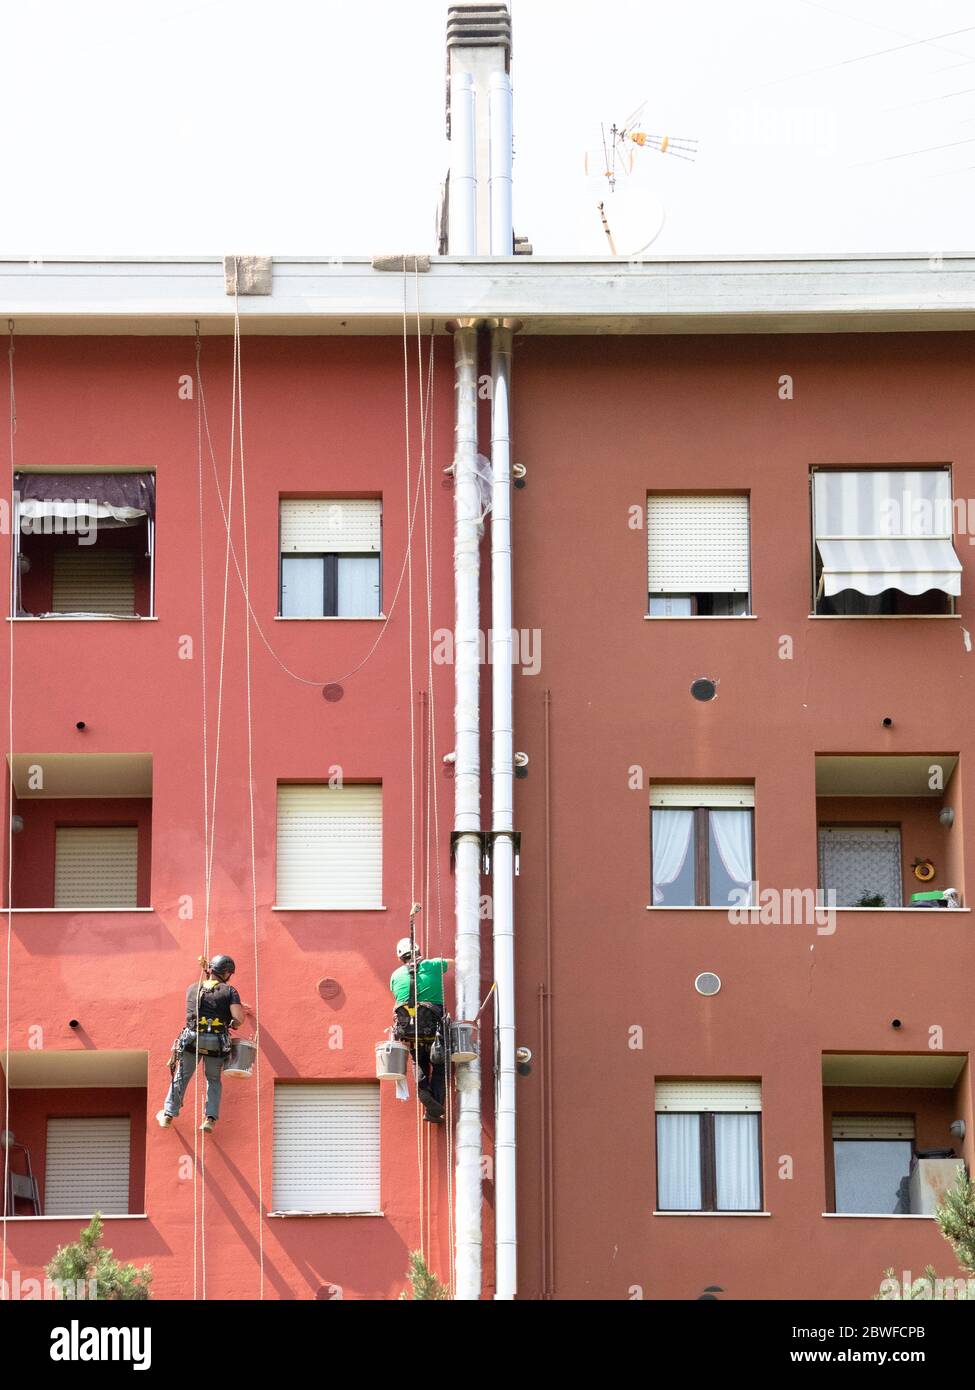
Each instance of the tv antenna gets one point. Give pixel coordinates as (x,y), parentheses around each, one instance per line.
(617,161)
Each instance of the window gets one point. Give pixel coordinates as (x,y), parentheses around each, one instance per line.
(330,846)
(698,556)
(330,557)
(702,847)
(87,1166)
(84,544)
(709,1145)
(326,1148)
(872,1163)
(882,542)
(861,864)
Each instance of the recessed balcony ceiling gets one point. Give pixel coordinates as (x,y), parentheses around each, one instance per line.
(892,1069)
(73,776)
(49,1069)
(879,774)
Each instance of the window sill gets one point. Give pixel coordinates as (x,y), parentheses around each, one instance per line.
(884,617)
(699,617)
(878,1216)
(311,907)
(332,618)
(67,618)
(712,1213)
(86,1216)
(68,910)
(734,907)
(304,1215)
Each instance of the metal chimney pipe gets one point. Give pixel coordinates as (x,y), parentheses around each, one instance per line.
(499,190)
(502,816)
(462,226)
(467,807)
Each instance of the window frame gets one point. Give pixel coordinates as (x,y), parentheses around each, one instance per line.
(702,853)
(709,1167)
(330,583)
(847,1139)
(695,594)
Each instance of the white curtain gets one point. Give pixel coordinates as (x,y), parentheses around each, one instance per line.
(358,586)
(733,837)
(671,840)
(736,1162)
(679,1162)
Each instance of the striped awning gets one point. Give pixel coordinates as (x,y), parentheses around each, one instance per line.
(912,564)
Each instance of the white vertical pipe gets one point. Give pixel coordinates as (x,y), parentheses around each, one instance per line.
(502,816)
(462,198)
(499,185)
(467,806)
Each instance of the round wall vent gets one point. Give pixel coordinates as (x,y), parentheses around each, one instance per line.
(333,693)
(707,983)
(329,989)
(704,688)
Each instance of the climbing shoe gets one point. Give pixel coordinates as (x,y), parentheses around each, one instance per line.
(164,1120)
(207,1126)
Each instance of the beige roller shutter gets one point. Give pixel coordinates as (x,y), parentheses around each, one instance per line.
(698,1096)
(331,525)
(330,846)
(89,580)
(326,1148)
(702,794)
(697,545)
(87,1167)
(96,866)
(873,1126)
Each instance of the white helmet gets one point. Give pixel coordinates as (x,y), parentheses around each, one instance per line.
(404,948)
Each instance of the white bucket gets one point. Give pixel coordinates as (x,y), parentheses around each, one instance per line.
(243,1054)
(391,1061)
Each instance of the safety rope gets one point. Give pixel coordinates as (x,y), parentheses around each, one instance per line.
(250,778)
(14,589)
(198,1233)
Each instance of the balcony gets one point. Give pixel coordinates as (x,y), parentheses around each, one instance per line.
(889,830)
(892,1131)
(82,828)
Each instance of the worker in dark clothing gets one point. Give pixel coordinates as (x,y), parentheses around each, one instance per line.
(213,1007)
(417,988)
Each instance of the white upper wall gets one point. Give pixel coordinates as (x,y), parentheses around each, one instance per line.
(548,295)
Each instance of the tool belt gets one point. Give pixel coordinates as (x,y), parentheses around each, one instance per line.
(417,1024)
(208,1039)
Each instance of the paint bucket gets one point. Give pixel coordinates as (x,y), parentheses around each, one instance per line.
(391,1061)
(243,1054)
(463,1042)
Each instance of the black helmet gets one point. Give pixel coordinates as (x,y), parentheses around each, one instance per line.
(222,965)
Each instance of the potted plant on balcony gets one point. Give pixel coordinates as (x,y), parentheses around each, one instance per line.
(871,900)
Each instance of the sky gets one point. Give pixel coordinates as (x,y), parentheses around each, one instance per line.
(134,127)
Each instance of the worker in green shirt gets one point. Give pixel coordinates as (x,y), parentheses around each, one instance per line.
(417,988)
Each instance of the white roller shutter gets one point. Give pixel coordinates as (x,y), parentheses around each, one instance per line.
(702,794)
(87,1167)
(330,846)
(326,1148)
(96,866)
(90,580)
(873,1126)
(698,1096)
(331,525)
(697,545)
